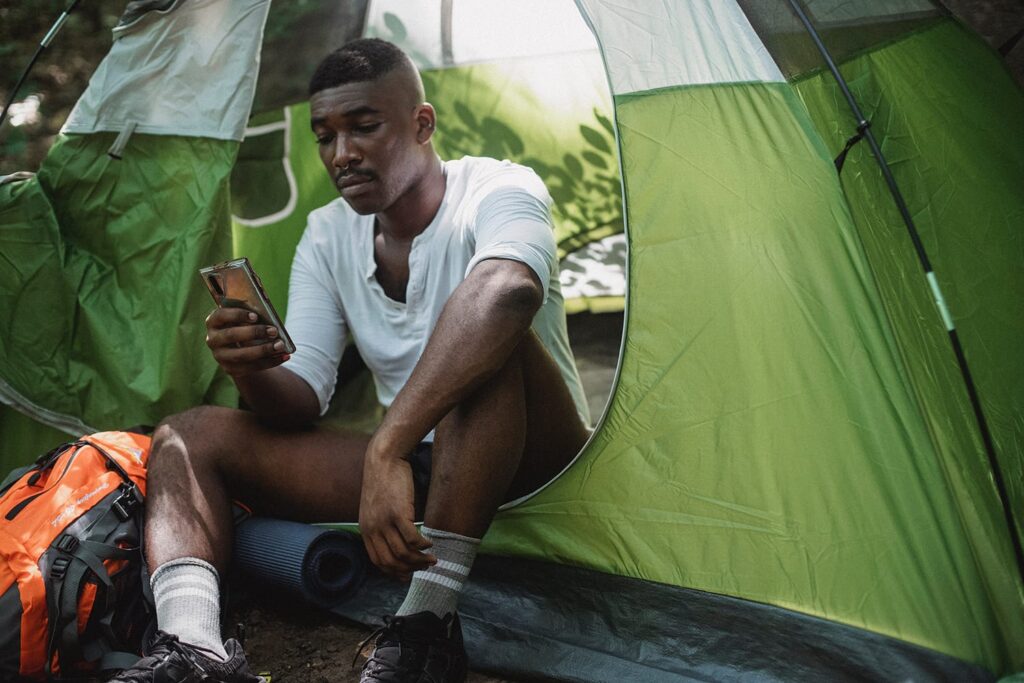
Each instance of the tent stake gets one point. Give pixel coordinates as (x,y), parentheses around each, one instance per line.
(864,127)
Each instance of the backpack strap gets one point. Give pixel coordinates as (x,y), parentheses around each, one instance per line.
(42,462)
(75,559)
(111,461)
(14,476)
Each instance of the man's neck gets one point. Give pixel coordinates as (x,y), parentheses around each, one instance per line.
(413,212)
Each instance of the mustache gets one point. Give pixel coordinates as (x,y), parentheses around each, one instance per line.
(355,173)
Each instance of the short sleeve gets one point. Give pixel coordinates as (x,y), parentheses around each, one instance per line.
(315,321)
(513,221)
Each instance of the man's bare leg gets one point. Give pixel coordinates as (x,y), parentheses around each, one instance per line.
(200,461)
(513,434)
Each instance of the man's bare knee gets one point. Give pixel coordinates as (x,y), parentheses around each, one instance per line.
(189,440)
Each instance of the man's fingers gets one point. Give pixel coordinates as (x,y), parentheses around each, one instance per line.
(379,552)
(241,335)
(370,550)
(407,558)
(229,317)
(251,350)
(413,538)
(249,354)
(386,560)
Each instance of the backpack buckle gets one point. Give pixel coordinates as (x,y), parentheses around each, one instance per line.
(67,543)
(60,568)
(128,502)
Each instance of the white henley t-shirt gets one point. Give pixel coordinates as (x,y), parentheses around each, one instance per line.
(491,209)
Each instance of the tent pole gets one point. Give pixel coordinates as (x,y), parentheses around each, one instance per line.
(43,44)
(864,128)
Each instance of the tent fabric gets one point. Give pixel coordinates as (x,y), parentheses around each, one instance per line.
(749,396)
(848,29)
(88,297)
(472,33)
(88,294)
(959,181)
(697,43)
(150,77)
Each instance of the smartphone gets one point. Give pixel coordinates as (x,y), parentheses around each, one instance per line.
(234,284)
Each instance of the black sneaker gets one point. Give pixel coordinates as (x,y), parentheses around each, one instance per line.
(417,648)
(168,660)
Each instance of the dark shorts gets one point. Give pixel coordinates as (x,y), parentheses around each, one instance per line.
(421,459)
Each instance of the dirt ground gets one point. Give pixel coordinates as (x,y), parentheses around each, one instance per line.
(297,644)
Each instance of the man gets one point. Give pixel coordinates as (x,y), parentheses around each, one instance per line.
(445,275)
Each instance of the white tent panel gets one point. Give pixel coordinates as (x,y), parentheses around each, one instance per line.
(660,45)
(413,26)
(479,31)
(486,31)
(152,76)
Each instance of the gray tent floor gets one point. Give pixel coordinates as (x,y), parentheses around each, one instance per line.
(294,642)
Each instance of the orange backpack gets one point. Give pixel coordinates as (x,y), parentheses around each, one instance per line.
(72,579)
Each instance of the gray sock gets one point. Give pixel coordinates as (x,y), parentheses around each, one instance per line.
(187,595)
(437,589)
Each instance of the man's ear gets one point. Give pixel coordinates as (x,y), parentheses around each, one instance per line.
(426,119)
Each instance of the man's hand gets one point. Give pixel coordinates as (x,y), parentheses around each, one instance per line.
(386,516)
(240,345)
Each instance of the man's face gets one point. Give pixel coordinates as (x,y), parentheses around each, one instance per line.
(369,135)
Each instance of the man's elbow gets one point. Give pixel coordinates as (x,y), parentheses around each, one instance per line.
(517,291)
(524,298)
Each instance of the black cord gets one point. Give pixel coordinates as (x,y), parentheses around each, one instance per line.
(43,44)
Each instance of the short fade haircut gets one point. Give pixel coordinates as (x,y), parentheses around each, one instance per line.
(364,59)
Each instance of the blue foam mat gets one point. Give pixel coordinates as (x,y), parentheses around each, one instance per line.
(322,566)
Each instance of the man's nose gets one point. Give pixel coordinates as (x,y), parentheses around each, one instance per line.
(345,153)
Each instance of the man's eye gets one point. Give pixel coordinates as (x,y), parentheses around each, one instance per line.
(365,128)
(324,139)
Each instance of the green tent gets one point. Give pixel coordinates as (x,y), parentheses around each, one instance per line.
(794,479)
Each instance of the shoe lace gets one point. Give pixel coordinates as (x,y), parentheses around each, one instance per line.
(379,631)
(162,646)
(381,665)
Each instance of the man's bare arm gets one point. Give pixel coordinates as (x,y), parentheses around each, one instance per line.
(251,354)
(279,398)
(481,325)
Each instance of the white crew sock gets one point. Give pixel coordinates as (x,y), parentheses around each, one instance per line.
(437,589)
(187,595)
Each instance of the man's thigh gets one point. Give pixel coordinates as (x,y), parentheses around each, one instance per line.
(554,431)
(305,475)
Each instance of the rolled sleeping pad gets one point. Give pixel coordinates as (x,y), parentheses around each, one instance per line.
(322,566)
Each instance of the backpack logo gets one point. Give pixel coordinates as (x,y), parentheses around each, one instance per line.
(71,507)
